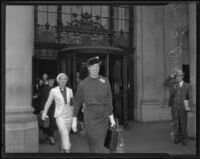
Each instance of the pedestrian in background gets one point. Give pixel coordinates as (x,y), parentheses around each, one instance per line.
(36,96)
(62,96)
(180,100)
(44,93)
(95,92)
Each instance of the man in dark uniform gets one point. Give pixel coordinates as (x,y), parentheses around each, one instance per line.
(180,100)
(95,92)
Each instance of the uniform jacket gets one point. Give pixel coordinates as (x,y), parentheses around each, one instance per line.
(179,94)
(56,95)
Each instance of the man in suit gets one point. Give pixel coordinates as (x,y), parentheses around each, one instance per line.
(180,93)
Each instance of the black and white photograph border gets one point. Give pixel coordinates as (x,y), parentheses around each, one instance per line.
(140,46)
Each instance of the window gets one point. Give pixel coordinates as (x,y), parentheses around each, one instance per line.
(83,25)
(47,14)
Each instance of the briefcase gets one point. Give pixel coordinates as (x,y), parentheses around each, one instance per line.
(43,123)
(111,140)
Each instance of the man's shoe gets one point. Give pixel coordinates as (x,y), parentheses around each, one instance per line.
(175,138)
(66,150)
(61,149)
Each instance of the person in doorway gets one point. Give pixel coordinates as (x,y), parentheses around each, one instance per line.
(44,93)
(180,100)
(36,96)
(62,96)
(96,93)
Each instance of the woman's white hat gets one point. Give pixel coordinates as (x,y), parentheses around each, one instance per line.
(61,74)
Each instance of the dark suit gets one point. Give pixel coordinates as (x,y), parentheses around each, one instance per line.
(176,100)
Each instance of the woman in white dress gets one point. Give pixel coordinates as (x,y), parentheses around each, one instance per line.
(62,96)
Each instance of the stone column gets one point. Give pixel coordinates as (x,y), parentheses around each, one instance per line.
(21,128)
(192,58)
(150,61)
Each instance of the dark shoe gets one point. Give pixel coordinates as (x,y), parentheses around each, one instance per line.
(51,140)
(61,149)
(66,150)
(175,138)
(184,142)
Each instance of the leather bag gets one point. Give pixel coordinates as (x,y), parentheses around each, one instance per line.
(43,123)
(111,140)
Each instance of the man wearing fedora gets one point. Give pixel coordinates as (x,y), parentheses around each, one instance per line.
(95,92)
(180,100)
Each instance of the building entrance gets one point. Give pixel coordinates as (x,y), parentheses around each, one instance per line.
(72,61)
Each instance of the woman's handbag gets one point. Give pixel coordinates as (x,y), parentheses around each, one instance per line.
(43,123)
(111,140)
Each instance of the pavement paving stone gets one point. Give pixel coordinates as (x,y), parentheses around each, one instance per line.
(140,138)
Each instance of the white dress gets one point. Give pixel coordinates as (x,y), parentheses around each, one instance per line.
(63,114)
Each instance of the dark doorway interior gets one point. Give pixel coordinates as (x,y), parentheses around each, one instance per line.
(47,66)
(186,70)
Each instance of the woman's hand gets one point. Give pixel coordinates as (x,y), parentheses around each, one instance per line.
(112,121)
(44,115)
(74,124)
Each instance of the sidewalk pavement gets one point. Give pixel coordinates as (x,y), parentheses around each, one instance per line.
(140,138)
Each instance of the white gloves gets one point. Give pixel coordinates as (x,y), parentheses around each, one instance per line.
(74,124)
(112,121)
(44,115)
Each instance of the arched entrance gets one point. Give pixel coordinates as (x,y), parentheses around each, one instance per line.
(115,66)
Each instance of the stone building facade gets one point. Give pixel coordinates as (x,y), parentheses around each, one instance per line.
(164,37)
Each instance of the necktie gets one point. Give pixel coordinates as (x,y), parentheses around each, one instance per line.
(63,92)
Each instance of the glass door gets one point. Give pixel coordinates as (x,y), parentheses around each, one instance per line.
(115,77)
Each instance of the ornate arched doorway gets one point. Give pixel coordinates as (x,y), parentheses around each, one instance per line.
(79,32)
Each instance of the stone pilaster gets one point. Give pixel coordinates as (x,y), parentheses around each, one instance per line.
(21,128)
(192,59)
(150,64)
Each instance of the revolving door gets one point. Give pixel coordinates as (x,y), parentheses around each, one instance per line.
(115,66)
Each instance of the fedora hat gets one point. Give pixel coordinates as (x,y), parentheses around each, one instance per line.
(93,60)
